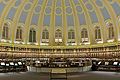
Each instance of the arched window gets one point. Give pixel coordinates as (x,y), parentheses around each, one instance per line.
(97,34)
(110,31)
(19,34)
(71,34)
(45,34)
(71,37)
(58,35)
(45,37)
(32,36)
(84,35)
(5,32)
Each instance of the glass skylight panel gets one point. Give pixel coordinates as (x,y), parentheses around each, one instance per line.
(35,19)
(23,16)
(93,17)
(2,6)
(81,18)
(11,13)
(46,20)
(70,21)
(58,20)
(105,13)
(116,8)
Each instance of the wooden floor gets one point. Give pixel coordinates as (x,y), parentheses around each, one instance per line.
(73,76)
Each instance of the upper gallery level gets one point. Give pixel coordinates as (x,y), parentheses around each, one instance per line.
(59,22)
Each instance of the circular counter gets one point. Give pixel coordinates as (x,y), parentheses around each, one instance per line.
(69,70)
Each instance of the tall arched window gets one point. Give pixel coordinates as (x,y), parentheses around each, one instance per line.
(5,31)
(71,37)
(45,37)
(71,34)
(84,35)
(19,34)
(32,36)
(97,34)
(58,35)
(45,34)
(110,31)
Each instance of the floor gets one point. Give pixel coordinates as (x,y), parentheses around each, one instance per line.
(73,76)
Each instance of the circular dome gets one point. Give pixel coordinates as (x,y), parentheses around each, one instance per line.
(59,23)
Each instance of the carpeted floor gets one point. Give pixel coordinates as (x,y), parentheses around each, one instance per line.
(73,76)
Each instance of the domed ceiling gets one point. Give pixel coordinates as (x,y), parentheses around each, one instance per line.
(59,22)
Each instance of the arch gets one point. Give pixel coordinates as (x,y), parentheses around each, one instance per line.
(84,35)
(5,32)
(32,35)
(45,37)
(19,34)
(58,34)
(110,31)
(71,34)
(45,34)
(97,33)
